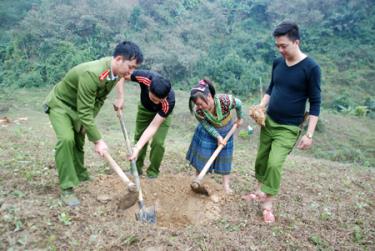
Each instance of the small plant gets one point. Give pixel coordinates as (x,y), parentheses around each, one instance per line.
(65,219)
(326,215)
(18,224)
(130,240)
(357,233)
(18,194)
(243,134)
(317,241)
(361,111)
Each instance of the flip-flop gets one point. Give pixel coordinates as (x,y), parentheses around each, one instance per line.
(253,197)
(268,216)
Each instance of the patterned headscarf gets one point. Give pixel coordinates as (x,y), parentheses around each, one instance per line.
(202,87)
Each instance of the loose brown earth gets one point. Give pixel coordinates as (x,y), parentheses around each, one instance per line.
(176,205)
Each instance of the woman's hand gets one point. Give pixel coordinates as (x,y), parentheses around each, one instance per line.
(221,141)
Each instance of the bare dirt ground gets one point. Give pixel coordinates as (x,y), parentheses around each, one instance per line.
(323,205)
(176,205)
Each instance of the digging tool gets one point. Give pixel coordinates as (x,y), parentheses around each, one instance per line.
(196,185)
(145,214)
(130,198)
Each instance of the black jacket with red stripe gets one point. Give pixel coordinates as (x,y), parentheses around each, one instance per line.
(144,78)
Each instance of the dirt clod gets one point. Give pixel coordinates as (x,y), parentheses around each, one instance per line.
(104,198)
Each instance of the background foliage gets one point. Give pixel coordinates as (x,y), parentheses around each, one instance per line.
(227,40)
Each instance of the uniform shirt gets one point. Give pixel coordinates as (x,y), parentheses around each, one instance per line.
(224,103)
(290,88)
(144,78)
(82,92)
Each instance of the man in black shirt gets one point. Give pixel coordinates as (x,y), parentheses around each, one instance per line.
(153,119)
(295,79)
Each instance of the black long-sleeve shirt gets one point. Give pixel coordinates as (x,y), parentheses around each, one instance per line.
(145,79)
(290,88)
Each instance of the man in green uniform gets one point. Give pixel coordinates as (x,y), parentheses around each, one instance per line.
(73,104)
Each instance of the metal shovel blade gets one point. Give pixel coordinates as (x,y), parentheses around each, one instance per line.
(146,215)
(199,188)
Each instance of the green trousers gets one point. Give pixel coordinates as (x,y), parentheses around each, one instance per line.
(144,118)
(276,142)
(69,153)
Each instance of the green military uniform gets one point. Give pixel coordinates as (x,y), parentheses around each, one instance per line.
(144,118)
(72,106)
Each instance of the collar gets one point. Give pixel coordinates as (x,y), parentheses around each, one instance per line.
(111,76)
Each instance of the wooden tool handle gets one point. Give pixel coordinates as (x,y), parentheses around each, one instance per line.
(117,169)
(215,154)
(133,164)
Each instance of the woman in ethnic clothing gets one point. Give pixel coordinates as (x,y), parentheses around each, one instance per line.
(215,120)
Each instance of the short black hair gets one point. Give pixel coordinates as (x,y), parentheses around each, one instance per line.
(129,51)
(160,86)
(289,29)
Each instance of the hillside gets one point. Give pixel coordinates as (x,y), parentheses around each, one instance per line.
(324,205)
(229,41)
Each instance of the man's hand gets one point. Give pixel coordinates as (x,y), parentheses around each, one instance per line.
(100,147)
(304,143)
(221,141)
(257,112)
(127,77)
(134,154)
(239,122)
(118,105)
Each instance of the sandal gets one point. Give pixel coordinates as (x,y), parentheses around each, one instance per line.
(268,216)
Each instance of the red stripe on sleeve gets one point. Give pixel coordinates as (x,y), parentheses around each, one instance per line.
(103,75)
(165,106)
(143,80)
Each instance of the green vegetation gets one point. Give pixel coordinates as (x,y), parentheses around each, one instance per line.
(227,40)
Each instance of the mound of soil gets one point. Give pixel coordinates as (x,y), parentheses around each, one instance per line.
(175,203)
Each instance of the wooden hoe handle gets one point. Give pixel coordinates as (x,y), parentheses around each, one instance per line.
(215,154)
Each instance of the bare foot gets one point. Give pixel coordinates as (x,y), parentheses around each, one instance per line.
(268,216)
(267,202)
(228,191)
(256,196)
